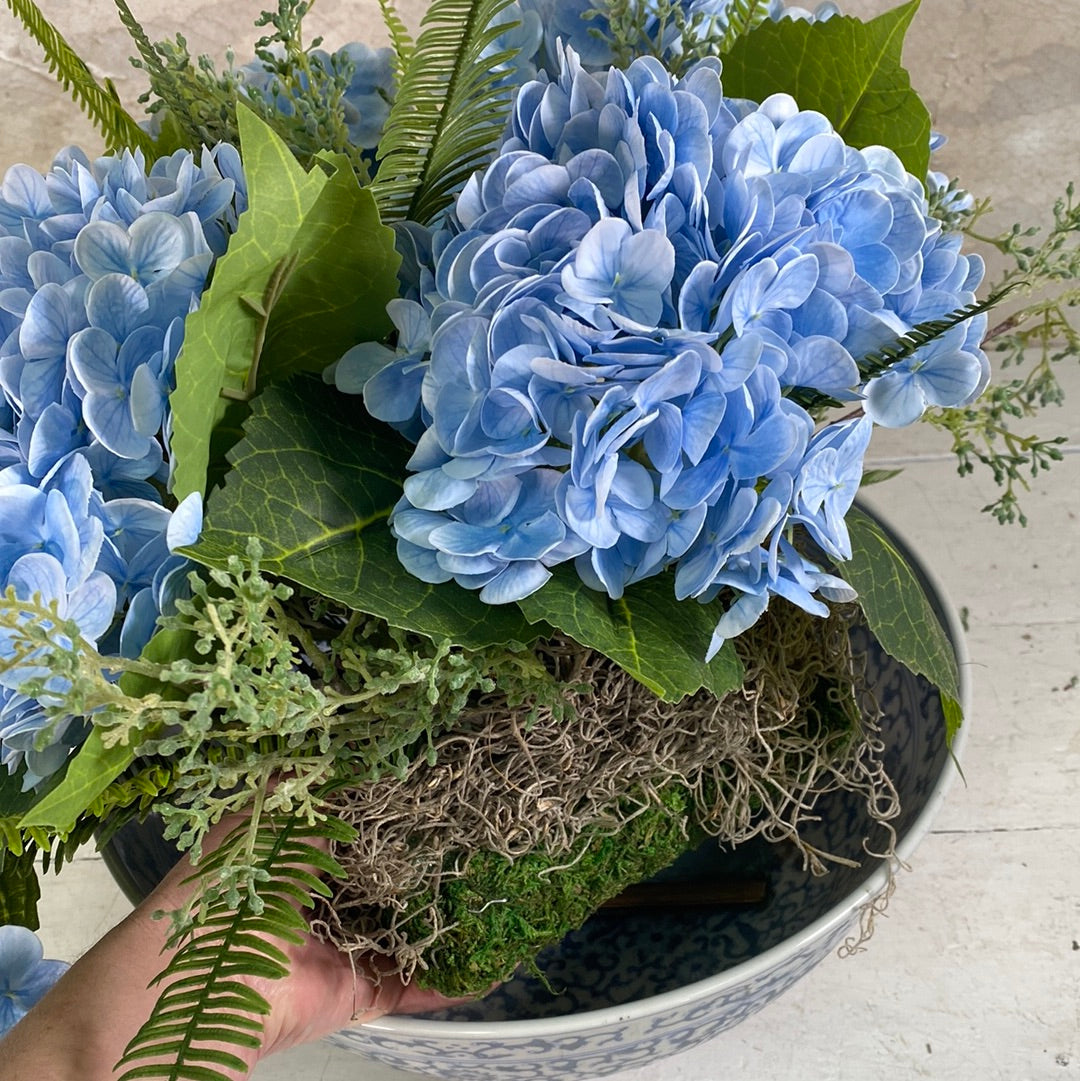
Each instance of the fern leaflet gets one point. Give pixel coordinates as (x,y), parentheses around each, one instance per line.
(905,345)
(101,104)
(448,112)
(251,885)
(400,38)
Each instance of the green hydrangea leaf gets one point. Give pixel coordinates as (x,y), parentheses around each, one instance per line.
(89,773)
(13,800)
(657,639)
(316,485)
(222,339)
(847,69)
(345,275)
(19,889)
(898,611)
(166,646)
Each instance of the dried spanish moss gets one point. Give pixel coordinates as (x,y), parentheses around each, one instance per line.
(753,763)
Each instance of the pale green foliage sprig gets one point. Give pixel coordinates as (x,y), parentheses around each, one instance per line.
(952,205)
(69,676)
(196,104)
(269,684)
(1037,336)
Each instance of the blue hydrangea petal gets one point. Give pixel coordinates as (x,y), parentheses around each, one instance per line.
(185,523)
(422,563)
(824,364)
(434,490)
(516,582)
(93,605)
(92,357)
(102,248)
(57,432)
(117,304)
(355,367)
(147,402)
(20,950)
(109,417)
(746,610)
(54,314)
(894,399)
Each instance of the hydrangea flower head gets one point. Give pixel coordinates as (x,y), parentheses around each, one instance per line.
(100,262)
(619,326)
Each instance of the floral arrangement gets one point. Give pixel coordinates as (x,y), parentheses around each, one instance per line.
(389,432)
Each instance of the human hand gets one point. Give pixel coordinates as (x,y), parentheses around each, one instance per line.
(80,1029)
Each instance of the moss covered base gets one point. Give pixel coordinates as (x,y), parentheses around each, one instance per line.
(502,913)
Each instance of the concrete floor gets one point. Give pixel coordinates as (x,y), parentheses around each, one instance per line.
(975,975)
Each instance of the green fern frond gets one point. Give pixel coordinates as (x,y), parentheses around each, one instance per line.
(400,39)
(448,113)
(904,345)
(232,937)
(100,104)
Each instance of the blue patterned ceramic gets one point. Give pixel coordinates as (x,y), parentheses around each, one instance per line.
(627,989)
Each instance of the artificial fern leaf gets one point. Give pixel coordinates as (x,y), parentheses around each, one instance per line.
(101,104)
(206,998)
(400,39)
(904,345)
(448,112)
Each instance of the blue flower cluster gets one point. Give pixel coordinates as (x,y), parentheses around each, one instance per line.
(606,358)
(100,262)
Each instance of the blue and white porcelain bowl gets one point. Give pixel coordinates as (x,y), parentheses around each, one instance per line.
(626,990)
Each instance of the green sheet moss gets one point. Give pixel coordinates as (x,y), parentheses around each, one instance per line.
(504,912)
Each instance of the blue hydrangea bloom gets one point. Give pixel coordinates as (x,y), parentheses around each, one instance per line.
(100,263)
(607,346)
(24,975)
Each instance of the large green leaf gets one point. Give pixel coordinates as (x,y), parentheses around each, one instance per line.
(345,275)
(898,611)
(315,482)
(847,69)
(89,773)
(308,275)
(222,340)
(659,640)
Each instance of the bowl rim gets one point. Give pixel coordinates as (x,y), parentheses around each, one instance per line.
(417,1027)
